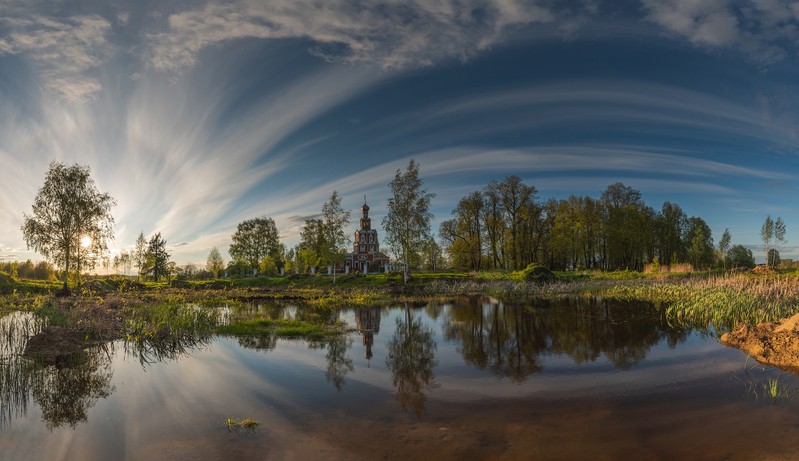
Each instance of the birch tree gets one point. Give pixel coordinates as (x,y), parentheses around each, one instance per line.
(407,223)
(68,212)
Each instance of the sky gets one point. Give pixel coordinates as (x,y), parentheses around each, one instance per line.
(197,115)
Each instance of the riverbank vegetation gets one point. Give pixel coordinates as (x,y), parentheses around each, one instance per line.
(150,309)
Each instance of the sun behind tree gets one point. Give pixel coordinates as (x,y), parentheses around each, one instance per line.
(69,210)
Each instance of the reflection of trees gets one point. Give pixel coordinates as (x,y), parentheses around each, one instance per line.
(65,393)
(154,350)
(65,389)
(411,359)
(338,362)
(509,340)
(266,342)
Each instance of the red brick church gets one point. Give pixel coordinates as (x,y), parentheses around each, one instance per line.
(366,256)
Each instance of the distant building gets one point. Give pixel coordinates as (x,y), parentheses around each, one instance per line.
(366,256)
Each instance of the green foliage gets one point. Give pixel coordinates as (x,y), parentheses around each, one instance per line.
(537,273)
(215,264)
(740,256)
(157,258)
(267,266)
(253,240)
(68,208)
(407,221)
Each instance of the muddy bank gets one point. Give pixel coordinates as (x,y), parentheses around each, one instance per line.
(770,343)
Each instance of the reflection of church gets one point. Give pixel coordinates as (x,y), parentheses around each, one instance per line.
(367,322)
(366,256)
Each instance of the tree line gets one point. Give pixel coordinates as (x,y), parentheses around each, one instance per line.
(506,226)
(502,226)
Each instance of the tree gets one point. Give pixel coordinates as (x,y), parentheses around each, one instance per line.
(325,237)
(766,233)
(215,263)
(69,209)
(515,198)
(267,266)
(254,239)
(407,223)
(779,236)
(157,258)
(671,226)
(43,271)
(463,234)
(740,256)
(140,254)
(125,261)
(700,243)
(774,258)
(724,245)
(334,218)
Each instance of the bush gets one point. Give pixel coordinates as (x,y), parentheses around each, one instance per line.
(536,273)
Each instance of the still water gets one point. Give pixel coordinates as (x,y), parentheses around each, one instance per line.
(473,379)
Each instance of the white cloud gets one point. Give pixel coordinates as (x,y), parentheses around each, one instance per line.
(390,34)
(64,48)
(703,22)
(765,30)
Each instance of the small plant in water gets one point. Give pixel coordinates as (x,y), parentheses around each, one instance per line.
(247,424)
(773,389)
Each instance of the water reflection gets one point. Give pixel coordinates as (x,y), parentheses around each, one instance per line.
(508,341)
(367,322)
(65,387)
(411,359)
(63,379)
(339,362)
(511,341)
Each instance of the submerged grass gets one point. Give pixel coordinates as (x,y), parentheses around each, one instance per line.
(248,424)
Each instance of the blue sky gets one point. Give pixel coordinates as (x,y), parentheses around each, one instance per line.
(197,115)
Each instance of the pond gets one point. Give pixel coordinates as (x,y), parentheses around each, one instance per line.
(472,379)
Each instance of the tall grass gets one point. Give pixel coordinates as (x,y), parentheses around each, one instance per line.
(719,300)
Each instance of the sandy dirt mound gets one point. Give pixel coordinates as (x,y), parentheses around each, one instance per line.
(771,343)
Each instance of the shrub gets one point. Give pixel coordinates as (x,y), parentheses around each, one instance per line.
(536,273)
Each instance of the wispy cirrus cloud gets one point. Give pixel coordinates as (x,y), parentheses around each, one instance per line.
(65,49)
(389,34)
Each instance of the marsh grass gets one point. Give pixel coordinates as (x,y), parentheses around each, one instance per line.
(285,328)
(248,424)
(722,301)
(770,389)
(169,320)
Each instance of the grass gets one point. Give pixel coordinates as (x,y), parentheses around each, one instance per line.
(285,328)
(722,301)
(771,389)
(247,424)
(699,298)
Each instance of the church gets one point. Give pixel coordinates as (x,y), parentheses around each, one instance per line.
(366,256)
